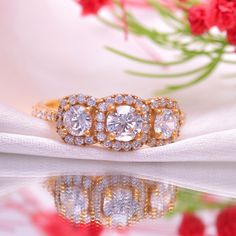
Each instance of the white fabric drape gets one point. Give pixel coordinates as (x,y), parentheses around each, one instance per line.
(47,51)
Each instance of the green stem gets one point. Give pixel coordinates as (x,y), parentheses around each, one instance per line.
(164,11)
(211,68)
(169,76)
(150,62)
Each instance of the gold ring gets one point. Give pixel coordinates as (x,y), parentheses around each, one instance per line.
(111,200)
(120,122)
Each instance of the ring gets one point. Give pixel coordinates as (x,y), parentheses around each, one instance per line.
(110,200)
(119,122)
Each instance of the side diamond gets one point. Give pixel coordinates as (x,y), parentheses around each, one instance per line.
(165,124)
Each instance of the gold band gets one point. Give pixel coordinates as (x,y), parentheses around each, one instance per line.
(46,110)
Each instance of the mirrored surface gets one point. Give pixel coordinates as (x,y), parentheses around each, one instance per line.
(113,205)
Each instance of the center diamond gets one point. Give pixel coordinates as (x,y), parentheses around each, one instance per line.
(77,120)
(121,206)
(166,123)
(125,123)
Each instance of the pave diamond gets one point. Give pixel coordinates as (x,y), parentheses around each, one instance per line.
(125,123)
(166,123)
(76,120)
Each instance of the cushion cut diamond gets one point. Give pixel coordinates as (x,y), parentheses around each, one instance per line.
(166,123)
(125,123)
(77,120)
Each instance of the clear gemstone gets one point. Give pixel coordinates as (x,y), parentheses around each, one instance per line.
(102,106)
(146,128)
(72,100)
(154,104)
(89,140)
(125,123)
(129,99)
(87,182)
(100,117)
(120,207)
(40,114)
(77,120)
(69,139)
(79,141)
(116,146)
(163,102)
(107,143)
(99,126)
(74,202)
(119,99)
(166,123)
(49,116)
(139,103)
(91,101)
(136,145)
(59,123)
(101,137)
(146,117)
(81,98)
(63,102)
(126,146)
(170,104)
(110,101)
(145,108)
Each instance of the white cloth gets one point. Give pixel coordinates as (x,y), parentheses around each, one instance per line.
(63,55)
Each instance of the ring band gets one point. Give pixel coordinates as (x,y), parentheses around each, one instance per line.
(120,122)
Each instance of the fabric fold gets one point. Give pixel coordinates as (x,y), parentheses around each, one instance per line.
(214,147)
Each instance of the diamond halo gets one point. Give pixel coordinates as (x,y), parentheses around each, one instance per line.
(75,119)
(166,119)
(125,122)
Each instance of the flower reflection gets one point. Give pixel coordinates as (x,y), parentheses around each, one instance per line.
(113,200)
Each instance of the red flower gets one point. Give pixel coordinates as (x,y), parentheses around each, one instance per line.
(226,222)
(231,36)
(197,19)
(92,6)
(191,225)
(221,13)
(51,224)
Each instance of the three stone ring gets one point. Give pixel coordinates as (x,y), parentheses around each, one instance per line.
(119,122)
